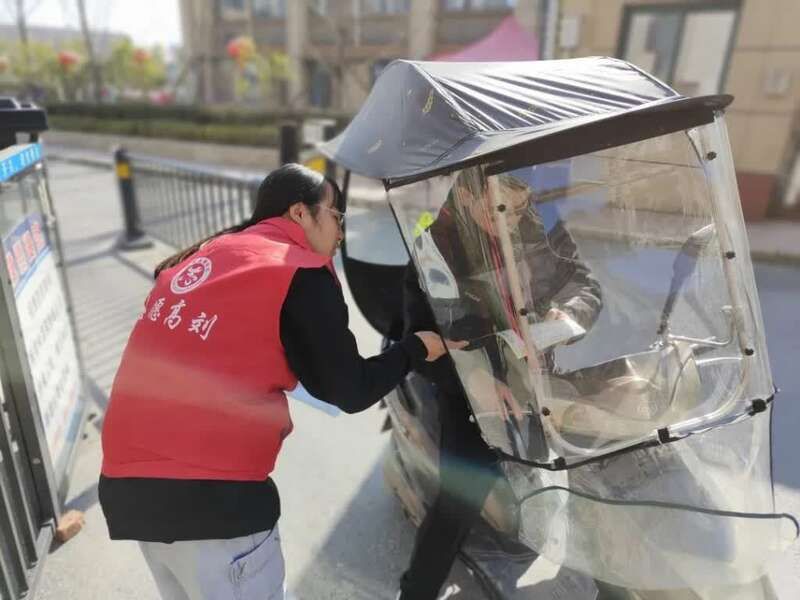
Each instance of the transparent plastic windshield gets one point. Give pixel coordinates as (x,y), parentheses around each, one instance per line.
(606,299)
(696,514)
(609,304)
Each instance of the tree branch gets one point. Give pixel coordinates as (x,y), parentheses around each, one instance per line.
(342,34)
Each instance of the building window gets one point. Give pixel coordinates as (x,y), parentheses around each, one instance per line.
(231,5)
(320,85)
(269,9)
(320,7)
(687,47)
(385,7)
(477,5)
(282,92)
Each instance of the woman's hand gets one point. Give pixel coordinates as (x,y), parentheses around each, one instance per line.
(436,346)
(556,314)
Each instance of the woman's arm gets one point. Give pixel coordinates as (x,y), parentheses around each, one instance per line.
(581,296)
(322,352)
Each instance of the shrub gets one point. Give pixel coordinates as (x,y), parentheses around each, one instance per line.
(194,114)
(220,133)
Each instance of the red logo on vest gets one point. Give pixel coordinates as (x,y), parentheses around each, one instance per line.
(191,276)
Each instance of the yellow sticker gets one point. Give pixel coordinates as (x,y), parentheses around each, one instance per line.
(424,222)
(123,170)
(429,104)
(316,163)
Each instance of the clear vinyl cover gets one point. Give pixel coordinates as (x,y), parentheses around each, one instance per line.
(616,356)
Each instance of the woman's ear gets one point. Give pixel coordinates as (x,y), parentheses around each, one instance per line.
(296,212)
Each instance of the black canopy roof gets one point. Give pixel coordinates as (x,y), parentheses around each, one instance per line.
(425,118)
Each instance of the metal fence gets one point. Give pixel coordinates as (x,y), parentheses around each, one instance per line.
(180,205)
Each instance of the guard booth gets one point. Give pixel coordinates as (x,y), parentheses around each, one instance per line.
(42,401)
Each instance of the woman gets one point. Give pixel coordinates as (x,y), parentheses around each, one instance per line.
(198,412)
(562,288)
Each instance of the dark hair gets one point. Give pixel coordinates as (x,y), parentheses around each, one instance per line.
(283,187)
(473,178)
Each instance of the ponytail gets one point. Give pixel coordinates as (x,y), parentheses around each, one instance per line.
(283,187)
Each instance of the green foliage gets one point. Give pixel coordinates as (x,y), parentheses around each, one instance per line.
(74,82)
(219,125)
(194,114)
(258,75)
(265,135)
(123,71)
(36,64)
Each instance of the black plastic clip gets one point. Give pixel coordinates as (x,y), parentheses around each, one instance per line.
(730,255)
(560,463)
(711,155)
(758,406)
(663,435)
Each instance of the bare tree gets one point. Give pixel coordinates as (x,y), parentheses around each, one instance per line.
(94,67)
(19,11)
(345,27)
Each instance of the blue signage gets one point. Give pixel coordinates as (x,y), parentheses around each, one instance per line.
(18,158)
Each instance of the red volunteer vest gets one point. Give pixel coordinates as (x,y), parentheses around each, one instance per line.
(199,393)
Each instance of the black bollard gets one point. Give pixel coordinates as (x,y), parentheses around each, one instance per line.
(290,148)
(133,238)
(328,133)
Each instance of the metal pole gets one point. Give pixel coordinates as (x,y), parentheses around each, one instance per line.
(22,27)
(328,133)
(548,28)
(253,187)
(289,151)
(133,237)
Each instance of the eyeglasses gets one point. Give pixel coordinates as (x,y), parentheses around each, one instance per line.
(337,213)
(518,208)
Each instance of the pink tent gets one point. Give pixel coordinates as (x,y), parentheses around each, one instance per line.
(508,41)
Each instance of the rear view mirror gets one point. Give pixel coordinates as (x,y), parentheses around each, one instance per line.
(684,265)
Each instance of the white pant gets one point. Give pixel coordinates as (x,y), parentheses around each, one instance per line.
(245,568)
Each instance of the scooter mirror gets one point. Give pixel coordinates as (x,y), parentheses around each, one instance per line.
(686,261)
(684,265)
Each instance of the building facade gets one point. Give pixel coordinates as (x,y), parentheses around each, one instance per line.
(336,48)
(747,48)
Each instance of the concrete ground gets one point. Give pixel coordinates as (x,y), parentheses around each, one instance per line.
(344,535)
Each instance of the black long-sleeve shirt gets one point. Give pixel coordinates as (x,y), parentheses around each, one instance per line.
(322,352)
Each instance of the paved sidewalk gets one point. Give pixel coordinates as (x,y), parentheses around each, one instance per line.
(107,296)
(333,551)
(776,241)
(329,472)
